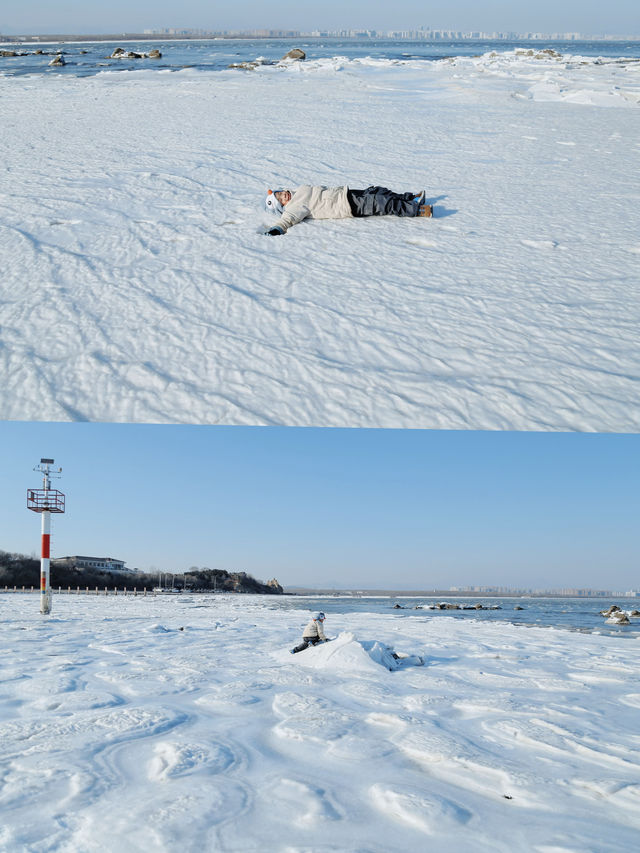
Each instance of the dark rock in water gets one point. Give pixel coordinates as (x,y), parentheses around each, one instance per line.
(398,607)
(252,65)
(478,606)
(8,53)
(618,617)
(295,54)
(517,607)
(546,53)
(612,609)
(121,53)
(39,52)
(635,613)
(275,586)
(59,60)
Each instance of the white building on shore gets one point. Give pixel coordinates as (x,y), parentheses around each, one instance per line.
(105,564)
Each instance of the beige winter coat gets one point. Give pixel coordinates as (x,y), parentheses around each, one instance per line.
(315,203)
(314,628)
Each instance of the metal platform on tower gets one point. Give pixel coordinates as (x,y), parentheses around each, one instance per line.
(45,500)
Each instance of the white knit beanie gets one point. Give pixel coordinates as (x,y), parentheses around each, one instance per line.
(272,204)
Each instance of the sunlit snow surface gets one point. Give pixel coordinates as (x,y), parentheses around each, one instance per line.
(137,285)
(183,723)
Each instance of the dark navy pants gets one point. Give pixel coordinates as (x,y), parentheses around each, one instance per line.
(306,642)
(379,201)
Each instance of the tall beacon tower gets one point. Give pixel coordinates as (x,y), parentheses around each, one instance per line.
(45,501)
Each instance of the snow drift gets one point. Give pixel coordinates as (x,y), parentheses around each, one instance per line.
(346,652)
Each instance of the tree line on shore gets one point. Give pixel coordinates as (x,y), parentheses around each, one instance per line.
(20,570)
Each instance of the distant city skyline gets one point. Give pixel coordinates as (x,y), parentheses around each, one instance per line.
(421,35)
(73,17)
(404,509)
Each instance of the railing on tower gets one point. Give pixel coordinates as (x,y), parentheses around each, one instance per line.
(45,500)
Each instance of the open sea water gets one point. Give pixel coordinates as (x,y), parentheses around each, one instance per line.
(87,58)
(571,614)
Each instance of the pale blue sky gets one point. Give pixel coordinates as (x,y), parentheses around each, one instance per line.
(378,508)
(89,16)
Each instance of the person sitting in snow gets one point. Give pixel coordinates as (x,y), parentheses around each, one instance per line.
(312,634)
(340,203)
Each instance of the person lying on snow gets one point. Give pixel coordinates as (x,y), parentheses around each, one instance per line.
(340,203)
(312,634)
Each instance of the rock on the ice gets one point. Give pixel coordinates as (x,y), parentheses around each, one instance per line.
(296,54)
(618,617)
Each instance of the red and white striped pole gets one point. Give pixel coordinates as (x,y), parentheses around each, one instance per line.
(45,586)
(45,501)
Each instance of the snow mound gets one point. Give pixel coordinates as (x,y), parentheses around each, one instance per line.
(346,652)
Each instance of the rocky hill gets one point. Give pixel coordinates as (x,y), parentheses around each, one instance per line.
(20,570)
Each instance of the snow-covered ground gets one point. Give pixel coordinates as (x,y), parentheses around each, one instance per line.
(137,285)
(183,723)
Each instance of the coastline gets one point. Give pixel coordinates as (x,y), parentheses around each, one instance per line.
(443,593)
(97,37)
